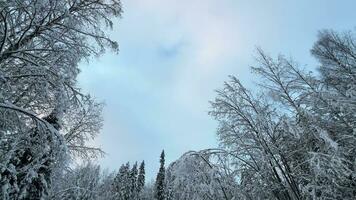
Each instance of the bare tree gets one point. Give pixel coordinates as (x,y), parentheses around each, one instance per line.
(86,181)
(295,138)
(41,44)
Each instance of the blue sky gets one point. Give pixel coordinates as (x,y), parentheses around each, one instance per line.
(175,53)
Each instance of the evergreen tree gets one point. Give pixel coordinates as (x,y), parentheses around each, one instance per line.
(133,182)
(122,184)
(141,177)
(160,180)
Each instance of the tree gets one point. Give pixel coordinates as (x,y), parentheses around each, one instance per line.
(122,183)
(85,181)
(43,114)
(133,182)
(195,176)
(294,139)
(160,193)
(141,177)
(81,183)
(147,192)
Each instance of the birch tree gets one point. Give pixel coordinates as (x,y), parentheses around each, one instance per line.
(294,138)
(196,176)
(43,114)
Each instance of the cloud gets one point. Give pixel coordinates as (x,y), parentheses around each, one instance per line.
(174,53)
(202,37)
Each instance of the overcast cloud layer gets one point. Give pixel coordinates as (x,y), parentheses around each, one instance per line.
(173,54)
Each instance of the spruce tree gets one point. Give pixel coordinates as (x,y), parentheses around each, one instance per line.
(160,180)
(133,181)
(141,177)
(122,184)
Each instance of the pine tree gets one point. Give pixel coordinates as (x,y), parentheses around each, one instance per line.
(160,180)
(141,177)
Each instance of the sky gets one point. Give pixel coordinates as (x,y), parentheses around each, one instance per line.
(175,53)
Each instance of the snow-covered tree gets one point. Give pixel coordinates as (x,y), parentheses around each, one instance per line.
(195,176)
(79,183)
(294,139)
(133,182)
(141,177)
(85,181)
(159,192)
(122,184)
(147,192)
(43,114)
